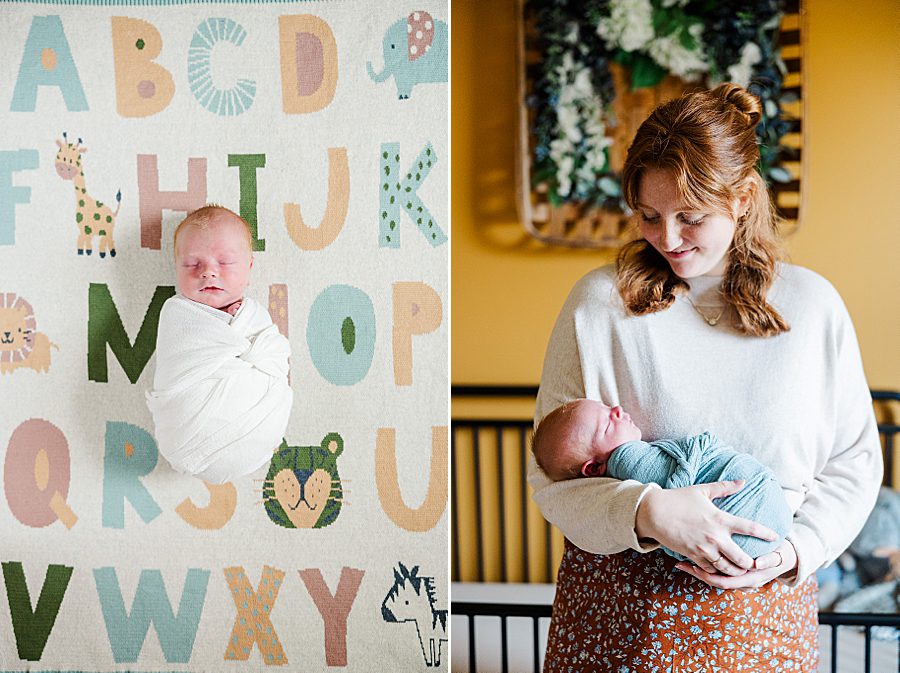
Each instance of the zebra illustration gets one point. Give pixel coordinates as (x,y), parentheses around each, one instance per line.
(411,599)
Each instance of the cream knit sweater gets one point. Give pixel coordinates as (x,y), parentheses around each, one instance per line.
(797,402)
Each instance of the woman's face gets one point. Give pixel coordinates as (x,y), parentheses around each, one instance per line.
(694,243)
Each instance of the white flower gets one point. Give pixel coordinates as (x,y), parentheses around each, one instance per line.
(582,87)
(751,54)
(741,72)
(629,25)
(563,172)
(560,147)
(668,52)
(567,117)
(564,68)
(672,3)
(580,137)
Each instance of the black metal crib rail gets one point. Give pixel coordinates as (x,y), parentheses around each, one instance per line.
(536,612)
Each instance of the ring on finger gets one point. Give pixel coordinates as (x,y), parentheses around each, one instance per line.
(780,558)
(716,561)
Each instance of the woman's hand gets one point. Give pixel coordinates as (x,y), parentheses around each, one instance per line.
(686,521)
(766,568)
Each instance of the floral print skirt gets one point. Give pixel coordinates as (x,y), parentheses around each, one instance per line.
(634,613)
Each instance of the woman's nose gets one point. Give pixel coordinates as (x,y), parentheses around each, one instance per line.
(670,236)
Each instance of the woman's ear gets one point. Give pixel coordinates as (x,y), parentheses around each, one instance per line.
(741,203)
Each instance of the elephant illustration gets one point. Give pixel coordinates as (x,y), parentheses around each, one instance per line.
(415,51)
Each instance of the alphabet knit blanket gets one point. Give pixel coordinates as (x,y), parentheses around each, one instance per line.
(324,125)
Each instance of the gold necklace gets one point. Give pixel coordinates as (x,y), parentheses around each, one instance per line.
(711,321)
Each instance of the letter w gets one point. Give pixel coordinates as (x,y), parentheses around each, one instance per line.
(151,604)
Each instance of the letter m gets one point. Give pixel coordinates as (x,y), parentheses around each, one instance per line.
(105,327)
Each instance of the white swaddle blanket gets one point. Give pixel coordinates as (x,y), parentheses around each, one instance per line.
(220,398)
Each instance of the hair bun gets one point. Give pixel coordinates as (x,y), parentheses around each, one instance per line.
(743,100)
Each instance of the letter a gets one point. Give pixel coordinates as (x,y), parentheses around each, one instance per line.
(47,61)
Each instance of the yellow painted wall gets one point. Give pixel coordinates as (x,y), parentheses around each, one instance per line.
(506,290)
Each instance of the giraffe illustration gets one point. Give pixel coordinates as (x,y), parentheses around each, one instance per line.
(92,217)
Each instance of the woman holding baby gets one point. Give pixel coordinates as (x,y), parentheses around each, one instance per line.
(699,326)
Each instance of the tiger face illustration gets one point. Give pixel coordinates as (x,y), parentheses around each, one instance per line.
(303,488)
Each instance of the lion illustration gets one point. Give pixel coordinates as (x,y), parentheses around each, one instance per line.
(20,344)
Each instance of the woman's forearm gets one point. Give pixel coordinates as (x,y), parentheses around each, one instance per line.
(596,515)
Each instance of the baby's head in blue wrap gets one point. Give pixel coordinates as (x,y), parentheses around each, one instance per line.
(577,438)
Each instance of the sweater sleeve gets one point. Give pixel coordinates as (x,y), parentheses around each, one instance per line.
(843,491)
(596,515)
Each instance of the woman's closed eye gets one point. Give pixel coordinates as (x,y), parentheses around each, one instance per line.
(686,218)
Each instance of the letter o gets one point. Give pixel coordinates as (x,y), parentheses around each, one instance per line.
(341,334)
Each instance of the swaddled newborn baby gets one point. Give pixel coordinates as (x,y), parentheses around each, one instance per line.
(220,398)
(589,439)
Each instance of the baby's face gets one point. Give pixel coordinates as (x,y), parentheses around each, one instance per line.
(212,264)
(599,429)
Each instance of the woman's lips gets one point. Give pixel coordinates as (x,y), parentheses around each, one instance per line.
(681,254)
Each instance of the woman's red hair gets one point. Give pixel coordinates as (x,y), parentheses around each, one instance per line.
(707,141)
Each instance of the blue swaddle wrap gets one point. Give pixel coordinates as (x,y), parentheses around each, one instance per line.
(701,459)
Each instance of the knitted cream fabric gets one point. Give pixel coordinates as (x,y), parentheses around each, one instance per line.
(312,121)
(797,402)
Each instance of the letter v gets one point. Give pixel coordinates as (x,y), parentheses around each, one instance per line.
(32,627)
